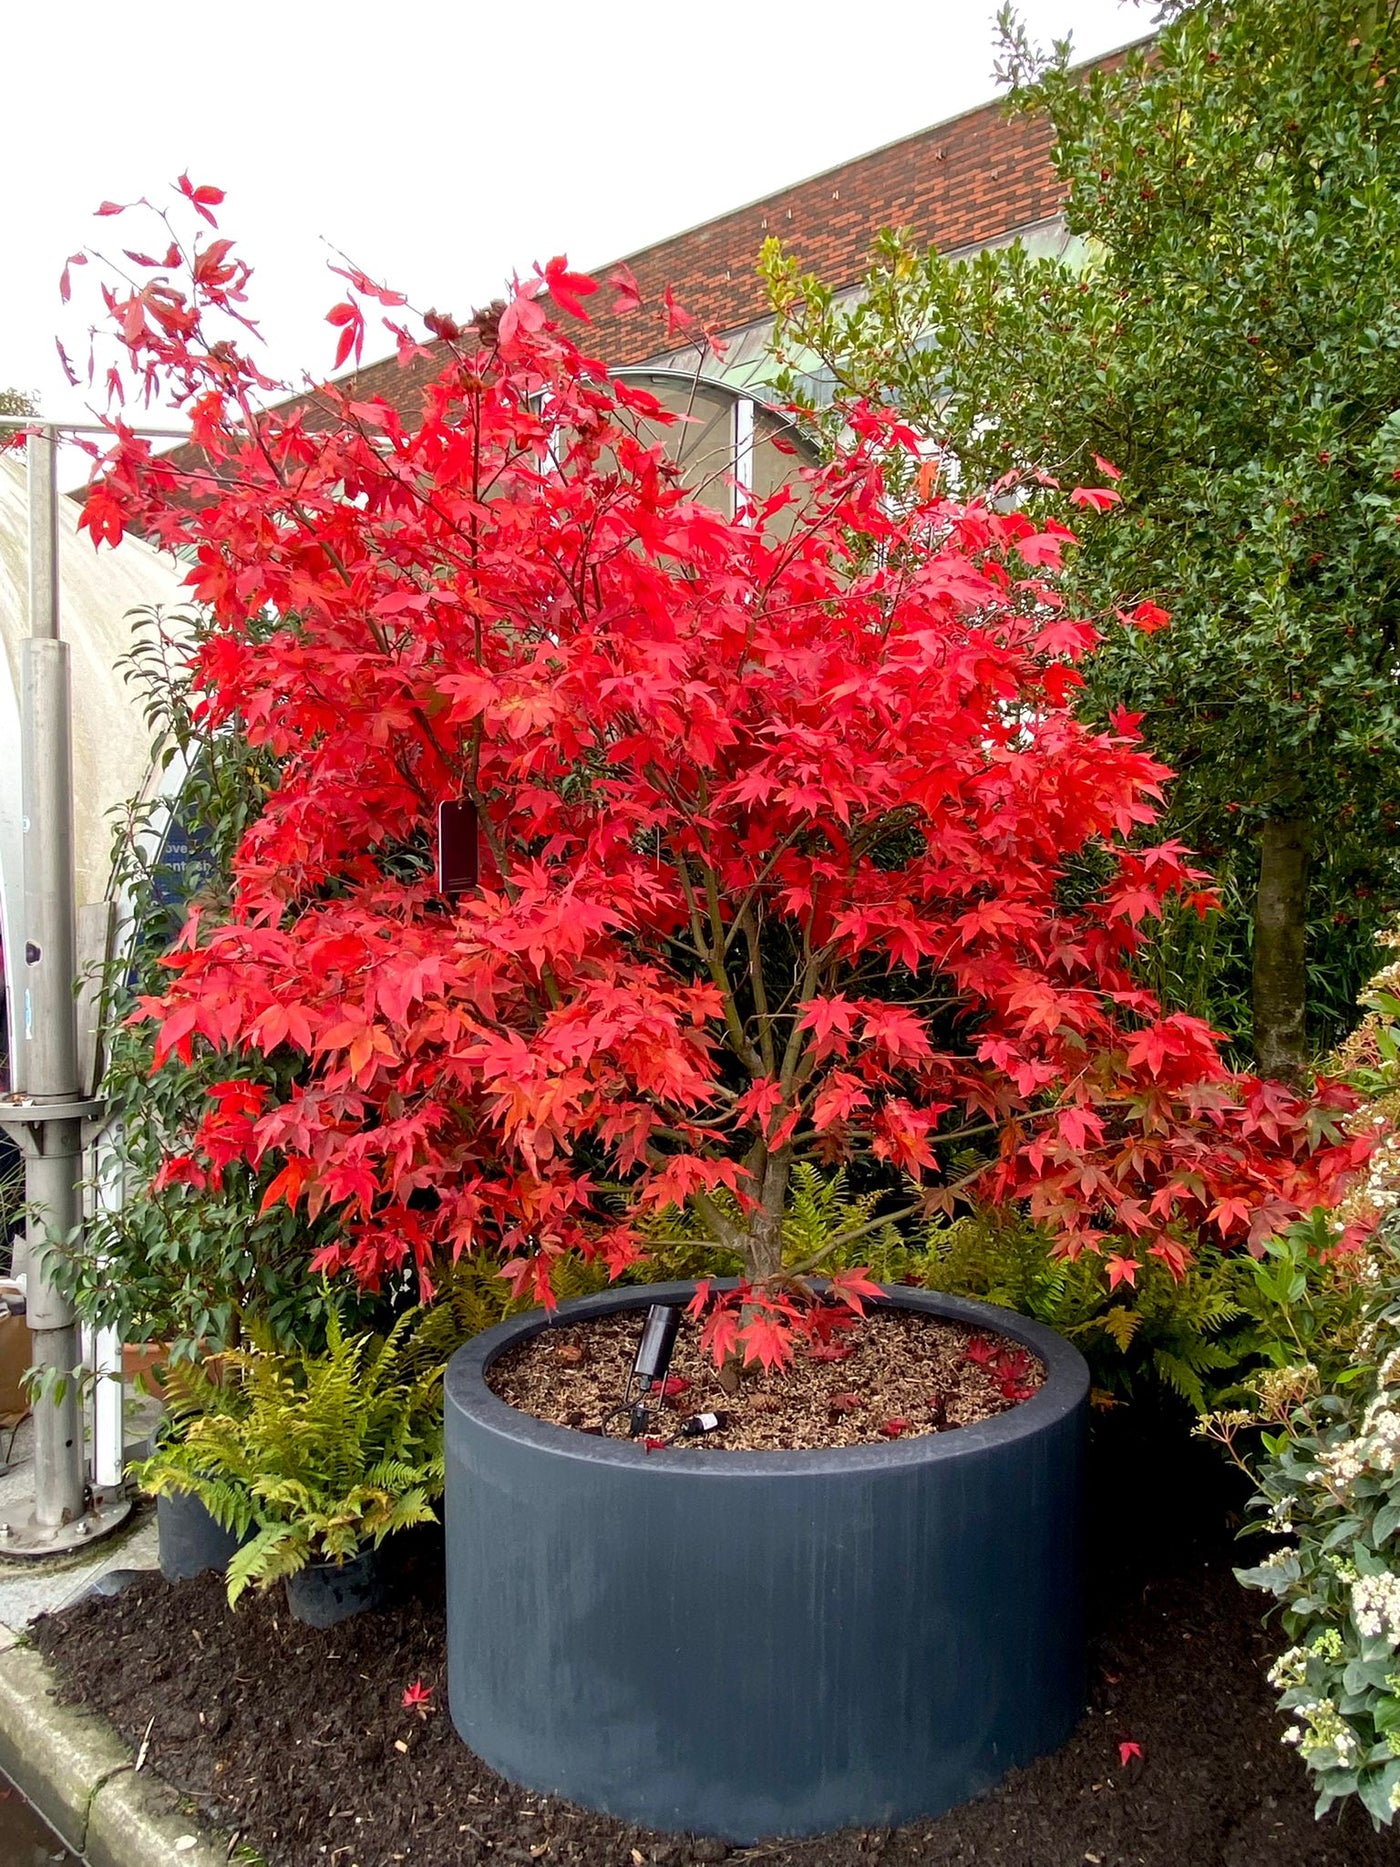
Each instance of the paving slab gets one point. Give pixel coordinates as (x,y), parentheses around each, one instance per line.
(43,1585)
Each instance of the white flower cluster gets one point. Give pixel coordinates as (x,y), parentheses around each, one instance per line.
(1290,1669)
(1344,1463)
(1381,1189)
(1375,1607)
(1382,1437)
(1280,1390)
(1376,1447)
(1281,1512)
(1281,1562)
(1321,1728)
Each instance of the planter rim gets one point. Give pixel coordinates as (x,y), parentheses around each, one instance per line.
(1065,1385)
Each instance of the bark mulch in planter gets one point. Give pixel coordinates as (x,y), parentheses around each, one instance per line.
(300,1741)
(893,1375)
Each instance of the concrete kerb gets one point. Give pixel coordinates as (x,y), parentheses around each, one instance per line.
(135,1821)
(81,1777)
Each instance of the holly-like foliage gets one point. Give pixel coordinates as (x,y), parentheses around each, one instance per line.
(778,816)
(1225,329)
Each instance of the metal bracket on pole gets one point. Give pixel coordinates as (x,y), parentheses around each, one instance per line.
(24,1113)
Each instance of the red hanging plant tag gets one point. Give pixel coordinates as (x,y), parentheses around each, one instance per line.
(458,847)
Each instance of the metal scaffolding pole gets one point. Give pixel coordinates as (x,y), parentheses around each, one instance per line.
(50,1107)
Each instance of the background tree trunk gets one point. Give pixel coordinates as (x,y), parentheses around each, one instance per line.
(1280,924)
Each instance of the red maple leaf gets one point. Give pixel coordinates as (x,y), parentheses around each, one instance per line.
(1149,617)
(767,1339)
(568,289)
(1101,498)
(418,1697)
(829,1351)
(628,297)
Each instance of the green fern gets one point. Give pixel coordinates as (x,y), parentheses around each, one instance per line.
(1193,1336)
(821,1208)
(309,1456)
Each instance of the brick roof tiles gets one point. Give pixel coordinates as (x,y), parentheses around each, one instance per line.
(962,183)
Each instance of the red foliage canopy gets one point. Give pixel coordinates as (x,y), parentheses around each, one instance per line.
(793,844)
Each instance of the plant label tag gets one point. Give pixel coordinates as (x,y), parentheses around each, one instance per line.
(457,846)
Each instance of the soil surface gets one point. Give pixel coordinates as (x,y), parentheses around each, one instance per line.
(890,1375)
(300,1741)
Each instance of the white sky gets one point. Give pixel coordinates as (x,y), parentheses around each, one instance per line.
(444,146)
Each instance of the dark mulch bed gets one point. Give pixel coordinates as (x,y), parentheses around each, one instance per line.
(299,1739)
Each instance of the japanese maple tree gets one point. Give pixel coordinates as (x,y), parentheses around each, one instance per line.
(787,826)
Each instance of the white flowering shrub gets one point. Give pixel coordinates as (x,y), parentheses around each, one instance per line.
(1329,1480)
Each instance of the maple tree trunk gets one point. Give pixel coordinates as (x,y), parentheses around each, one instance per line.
(1280,925)
(763,1242)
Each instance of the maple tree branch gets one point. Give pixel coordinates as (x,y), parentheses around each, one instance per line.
(799,1037)
(760,996)
(696,929)
(719,972)
(726,1234)
(779,850)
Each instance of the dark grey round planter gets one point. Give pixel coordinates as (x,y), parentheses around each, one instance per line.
(748,1644)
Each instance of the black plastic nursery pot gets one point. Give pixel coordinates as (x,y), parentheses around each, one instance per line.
(325,1593)
(189,1539)
(748,1644)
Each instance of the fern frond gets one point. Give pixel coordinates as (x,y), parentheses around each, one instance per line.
(317,1454)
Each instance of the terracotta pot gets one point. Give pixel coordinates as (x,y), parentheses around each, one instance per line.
(145,1360)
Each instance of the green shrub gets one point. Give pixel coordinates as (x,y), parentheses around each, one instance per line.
(196,1264)
(1329,1483)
